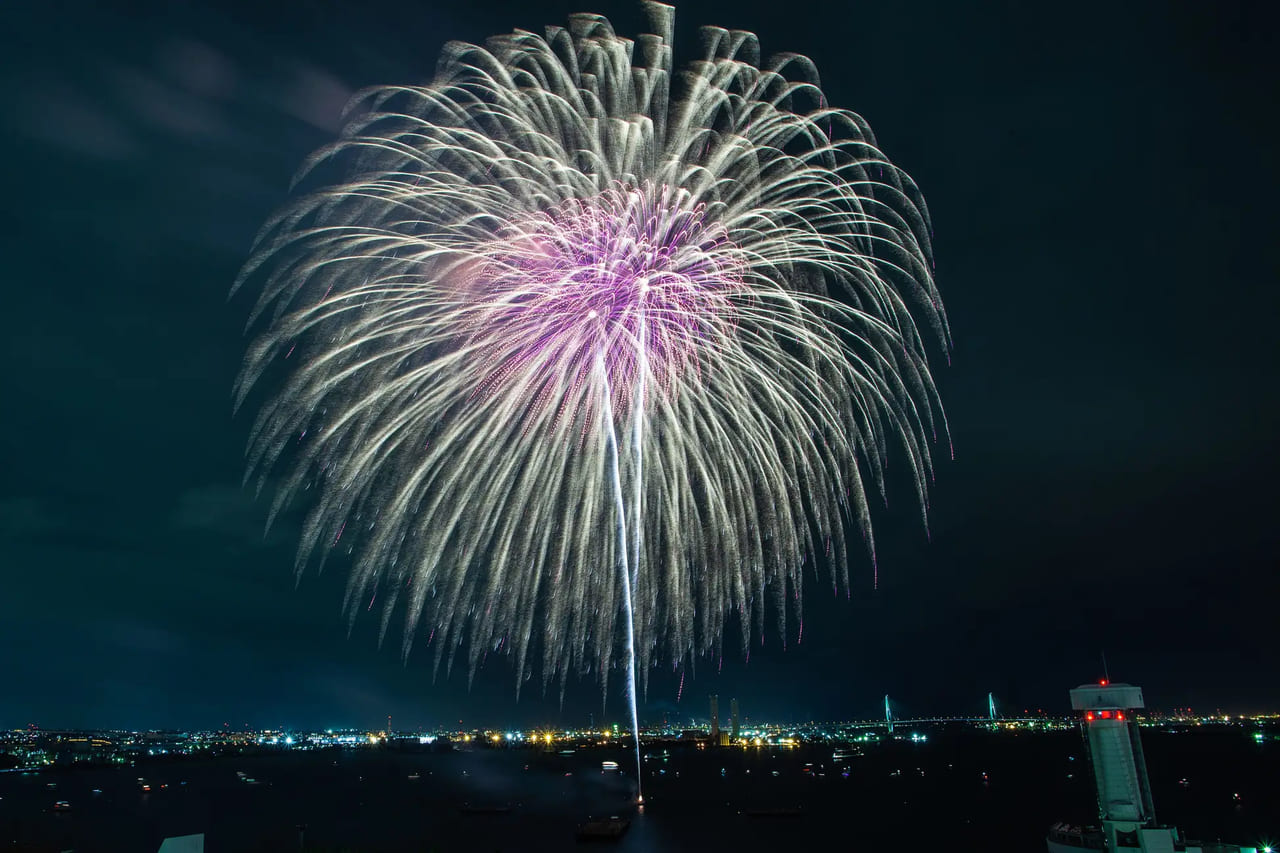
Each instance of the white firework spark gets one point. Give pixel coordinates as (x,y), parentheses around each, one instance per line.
(572,339)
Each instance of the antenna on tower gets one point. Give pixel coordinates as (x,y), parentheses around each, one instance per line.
(1105,674)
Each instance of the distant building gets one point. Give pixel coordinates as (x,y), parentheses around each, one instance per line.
(734,728)
(715,718)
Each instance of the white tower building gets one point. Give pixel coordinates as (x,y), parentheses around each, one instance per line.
(1115,747)
(1120,772)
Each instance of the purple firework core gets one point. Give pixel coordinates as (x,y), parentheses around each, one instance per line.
(634,278)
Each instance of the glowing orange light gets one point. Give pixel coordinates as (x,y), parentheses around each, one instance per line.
(1119,715)
(1089,716)
(1103,682)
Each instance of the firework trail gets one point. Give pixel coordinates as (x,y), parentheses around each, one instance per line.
(566,338)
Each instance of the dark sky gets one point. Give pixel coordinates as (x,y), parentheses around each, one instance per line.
(1101,180)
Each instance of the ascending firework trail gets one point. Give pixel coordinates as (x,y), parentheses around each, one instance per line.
(564,338)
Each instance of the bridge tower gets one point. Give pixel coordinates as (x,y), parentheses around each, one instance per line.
(991,708)
(888,714)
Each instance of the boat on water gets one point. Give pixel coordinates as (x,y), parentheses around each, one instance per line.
(491,809)
(611,829)
(608,765)
(775,812)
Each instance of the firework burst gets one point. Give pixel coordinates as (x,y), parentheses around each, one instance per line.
(577,354)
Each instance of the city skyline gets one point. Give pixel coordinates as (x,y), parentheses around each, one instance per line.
(1113,425)
(246,733)
(652,717)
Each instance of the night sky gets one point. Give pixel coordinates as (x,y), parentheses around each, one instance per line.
(1101,180)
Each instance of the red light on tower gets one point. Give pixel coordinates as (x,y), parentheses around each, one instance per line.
(1103,682)
(1119,715)
(1089,716)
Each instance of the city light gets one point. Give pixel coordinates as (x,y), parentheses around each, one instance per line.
(32,750)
